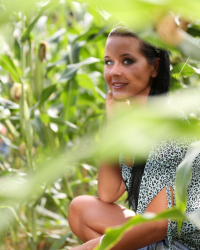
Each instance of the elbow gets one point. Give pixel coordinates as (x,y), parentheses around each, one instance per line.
(105,198)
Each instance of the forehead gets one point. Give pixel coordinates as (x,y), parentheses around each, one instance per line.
(122,44)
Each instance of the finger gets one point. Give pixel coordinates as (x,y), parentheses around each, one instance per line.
(109,95)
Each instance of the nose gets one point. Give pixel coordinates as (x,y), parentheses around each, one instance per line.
(116,69)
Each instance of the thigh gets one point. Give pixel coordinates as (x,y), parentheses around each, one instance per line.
(99,215)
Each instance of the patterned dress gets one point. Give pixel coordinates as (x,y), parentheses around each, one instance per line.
(159,172)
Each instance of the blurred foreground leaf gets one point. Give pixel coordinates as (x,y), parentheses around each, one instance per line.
(183,177)
(113,235)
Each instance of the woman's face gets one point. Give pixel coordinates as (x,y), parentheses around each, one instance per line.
(127,71)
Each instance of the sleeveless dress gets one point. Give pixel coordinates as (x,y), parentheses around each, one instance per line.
(159,172)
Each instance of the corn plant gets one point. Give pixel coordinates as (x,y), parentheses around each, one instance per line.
(53,106)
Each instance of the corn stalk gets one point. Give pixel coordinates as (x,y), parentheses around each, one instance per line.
(27,132)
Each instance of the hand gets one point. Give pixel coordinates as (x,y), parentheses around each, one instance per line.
(113,106)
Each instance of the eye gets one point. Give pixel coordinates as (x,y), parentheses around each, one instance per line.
(108,62)
(127,61)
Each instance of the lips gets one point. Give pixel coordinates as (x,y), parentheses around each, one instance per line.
(119,85)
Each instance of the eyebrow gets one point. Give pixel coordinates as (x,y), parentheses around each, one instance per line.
(126,54)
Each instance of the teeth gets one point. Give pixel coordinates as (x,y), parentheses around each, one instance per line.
(117,85)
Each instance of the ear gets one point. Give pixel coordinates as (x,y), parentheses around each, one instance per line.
(156,68)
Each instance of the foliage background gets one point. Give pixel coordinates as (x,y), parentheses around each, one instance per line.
(53,104)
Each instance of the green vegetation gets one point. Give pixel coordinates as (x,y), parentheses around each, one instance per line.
(53,106)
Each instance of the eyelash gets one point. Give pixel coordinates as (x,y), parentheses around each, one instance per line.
(129,61)
(124,60)
(107,62)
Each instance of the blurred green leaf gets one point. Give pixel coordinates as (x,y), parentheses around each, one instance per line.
(32,24)
(56,245)
(7,63)
(189,46)
(12,210)
(46,92)
(8,104)
(71,69)
(113,235)
(183,176)
(56,36)
(47,119)
(183,69)
(39,127)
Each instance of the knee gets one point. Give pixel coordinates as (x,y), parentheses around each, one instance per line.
(78,206)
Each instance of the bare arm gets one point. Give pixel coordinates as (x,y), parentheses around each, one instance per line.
(147,233)
(110,183)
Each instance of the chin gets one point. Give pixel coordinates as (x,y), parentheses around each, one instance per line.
(121,96)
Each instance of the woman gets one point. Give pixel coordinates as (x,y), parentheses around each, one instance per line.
(134,70)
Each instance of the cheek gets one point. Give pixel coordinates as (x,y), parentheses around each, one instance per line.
(140,74)
(107,76)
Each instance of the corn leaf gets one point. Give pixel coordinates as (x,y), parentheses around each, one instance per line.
(71,69)
(7,63)
(113,235)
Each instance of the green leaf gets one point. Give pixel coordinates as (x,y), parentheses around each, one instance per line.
(31,26)
(183,69)
(56,245)
(46,93)
(8,142)
(45,118)
(12,210)
(47,213)
(84,81)
(90,34)
(71,69)
(8,104)
(183,176)
(39,127)
(113,235)
(62,61)
(48,119)
(194,30)
(56,36)
(189,46)
(7,63)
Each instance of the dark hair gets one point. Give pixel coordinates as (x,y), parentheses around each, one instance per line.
(160,85)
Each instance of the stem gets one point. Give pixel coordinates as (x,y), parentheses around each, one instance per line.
(67,189)
(34,227)
(48,132)
(66,110)
(23,56)
(26,131)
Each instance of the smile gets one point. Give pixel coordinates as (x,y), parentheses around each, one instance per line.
(119,85)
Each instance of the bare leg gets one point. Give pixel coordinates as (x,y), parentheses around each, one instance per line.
(89,217)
